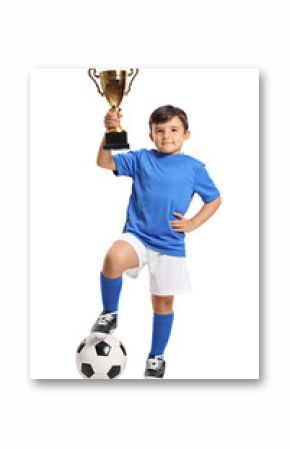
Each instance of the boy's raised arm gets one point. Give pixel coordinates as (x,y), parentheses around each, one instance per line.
(104,157)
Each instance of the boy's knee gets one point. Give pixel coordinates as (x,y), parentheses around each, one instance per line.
(113,258)
(163,305)
(121,256)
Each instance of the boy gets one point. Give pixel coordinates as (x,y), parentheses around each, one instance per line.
(164,182)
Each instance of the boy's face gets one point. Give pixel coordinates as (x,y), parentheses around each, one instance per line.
(169,136)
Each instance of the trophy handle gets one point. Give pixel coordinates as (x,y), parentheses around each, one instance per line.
(132,79)
(93,75)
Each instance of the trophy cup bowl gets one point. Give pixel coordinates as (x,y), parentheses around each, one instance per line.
(114,85)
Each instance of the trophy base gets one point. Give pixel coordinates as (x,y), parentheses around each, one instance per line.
(116,141)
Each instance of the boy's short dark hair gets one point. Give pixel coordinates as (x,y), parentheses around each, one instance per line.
(167,112)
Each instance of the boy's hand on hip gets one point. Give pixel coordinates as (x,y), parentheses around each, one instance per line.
(183,224)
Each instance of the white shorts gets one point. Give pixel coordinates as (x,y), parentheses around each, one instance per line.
(168,274)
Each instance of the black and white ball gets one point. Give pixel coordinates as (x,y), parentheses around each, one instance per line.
(101,356)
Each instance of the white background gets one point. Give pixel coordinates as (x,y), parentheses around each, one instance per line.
(77,210)
(204,414)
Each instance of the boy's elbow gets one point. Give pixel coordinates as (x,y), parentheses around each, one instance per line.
(109,165)
(100,164)
(219,200)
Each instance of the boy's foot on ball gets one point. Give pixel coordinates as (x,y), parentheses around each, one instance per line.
(155,367)
(106,323)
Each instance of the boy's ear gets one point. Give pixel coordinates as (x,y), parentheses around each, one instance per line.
(187,134)
(150,135)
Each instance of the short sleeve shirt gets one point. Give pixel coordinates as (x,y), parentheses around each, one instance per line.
(162,184)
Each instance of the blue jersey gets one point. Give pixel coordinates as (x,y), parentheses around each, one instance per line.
(162,184)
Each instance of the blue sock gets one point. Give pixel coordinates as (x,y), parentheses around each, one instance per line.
(110,290)
(162,325)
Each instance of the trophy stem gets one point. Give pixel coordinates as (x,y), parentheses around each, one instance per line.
(117,110)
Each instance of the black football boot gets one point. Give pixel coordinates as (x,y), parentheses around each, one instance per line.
(155,368)
(105,323)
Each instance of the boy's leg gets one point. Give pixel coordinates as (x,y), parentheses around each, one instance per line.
(120,257)
(162,323)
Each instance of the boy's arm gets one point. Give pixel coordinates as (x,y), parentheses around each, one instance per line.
(205,212)
(188,225)
(104,157)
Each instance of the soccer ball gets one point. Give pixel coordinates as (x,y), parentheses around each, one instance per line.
(100,356)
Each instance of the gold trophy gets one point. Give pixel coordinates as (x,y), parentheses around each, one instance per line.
(114,85)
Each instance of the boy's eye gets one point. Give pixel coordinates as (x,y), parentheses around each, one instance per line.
(161,130)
